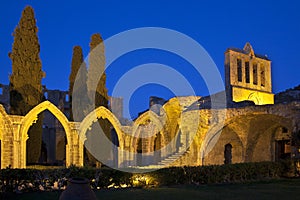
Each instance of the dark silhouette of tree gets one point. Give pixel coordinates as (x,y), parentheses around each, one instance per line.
(97,90)
(96,70)
(79,75)
(25,80)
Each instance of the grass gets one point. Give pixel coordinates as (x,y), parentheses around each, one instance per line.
(276,189)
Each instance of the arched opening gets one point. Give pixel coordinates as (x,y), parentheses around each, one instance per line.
(60,125)
(102,144)
(51,144)
(270,140)
(219,148)
(147,141)
(228,154)
(102,135)
(254,138)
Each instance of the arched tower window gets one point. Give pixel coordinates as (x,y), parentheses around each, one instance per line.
(239,70)
(247,72)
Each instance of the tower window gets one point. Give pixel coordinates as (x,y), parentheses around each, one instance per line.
(239,70)
(255,74)
(262,76)
(247,71)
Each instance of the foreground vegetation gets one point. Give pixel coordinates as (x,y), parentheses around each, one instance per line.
(275,189)
(109,183)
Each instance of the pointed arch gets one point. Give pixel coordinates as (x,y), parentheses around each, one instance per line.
(142,119)
(250,134)
(32,116)
(100,112)
(149,115)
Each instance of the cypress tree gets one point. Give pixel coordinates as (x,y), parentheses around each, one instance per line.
(97,69)
(79,75)
(25,80)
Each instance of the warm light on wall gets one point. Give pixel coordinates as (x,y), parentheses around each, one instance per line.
(142,180)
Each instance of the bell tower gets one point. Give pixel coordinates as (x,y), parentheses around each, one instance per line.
(248,76)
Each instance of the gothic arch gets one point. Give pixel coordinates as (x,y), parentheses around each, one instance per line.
(246,123)
(32,116)
(142,119)
(256,150)
(149,115)
(217,141)
(101,112)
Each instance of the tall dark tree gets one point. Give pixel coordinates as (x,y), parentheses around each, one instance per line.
(25,80)
(78,86)
(96,70)
(97,90)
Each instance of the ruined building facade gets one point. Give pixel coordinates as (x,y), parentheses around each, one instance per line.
(254,126)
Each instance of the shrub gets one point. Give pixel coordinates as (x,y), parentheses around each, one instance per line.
(16,180)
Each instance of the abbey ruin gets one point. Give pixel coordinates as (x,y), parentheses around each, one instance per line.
(255,125)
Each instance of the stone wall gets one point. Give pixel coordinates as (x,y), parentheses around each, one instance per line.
(176,137)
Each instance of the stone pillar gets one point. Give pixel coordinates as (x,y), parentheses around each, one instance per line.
(19,145)
(68,156)
(74,154)
(81,153)
(251,71)
(6,137)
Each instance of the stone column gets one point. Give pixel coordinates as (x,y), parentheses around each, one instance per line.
(6,144)
(19,145)
(74,154)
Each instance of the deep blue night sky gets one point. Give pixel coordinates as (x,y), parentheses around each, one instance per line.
(272,27)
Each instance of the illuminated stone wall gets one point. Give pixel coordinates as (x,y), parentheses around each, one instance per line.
(193,137)
(252,131)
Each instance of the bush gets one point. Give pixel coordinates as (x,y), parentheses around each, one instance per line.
(24,180)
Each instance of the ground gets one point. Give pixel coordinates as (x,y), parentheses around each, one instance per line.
(275,189)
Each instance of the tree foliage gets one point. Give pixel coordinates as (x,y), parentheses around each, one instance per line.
(96,72)
(97,90)
(25,80)
(78,86)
